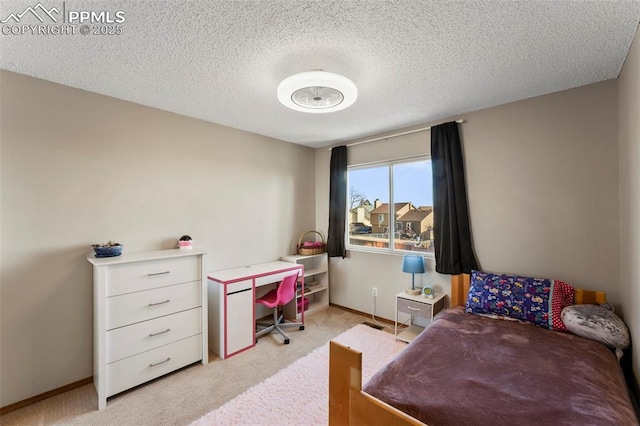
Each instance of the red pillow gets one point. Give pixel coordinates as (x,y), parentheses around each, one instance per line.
(561,297)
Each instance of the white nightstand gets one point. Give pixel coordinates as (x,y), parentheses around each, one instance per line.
(416,307)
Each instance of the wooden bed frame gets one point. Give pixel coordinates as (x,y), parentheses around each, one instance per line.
(350,405)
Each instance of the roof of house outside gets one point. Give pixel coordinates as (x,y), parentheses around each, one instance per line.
(414,216)
(384,207)
(365,207)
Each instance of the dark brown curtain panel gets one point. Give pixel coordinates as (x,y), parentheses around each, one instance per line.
(337,202)
(452,235)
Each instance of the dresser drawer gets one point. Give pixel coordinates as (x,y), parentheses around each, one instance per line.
(130,372)
(145,305)
(137,276)
(414,308)
(126,341)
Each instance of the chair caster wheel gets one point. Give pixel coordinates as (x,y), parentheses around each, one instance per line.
(256,341)
(286,341)
(302,327)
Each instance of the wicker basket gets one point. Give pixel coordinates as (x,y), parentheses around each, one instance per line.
(307,251)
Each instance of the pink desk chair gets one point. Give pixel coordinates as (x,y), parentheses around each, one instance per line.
(276,298)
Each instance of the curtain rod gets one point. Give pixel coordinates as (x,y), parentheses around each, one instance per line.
(395,135)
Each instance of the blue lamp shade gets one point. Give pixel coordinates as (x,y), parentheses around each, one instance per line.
(413,264)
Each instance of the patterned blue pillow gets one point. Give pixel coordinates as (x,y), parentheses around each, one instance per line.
(535,300)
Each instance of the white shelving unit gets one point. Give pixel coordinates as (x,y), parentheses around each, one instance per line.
(316,280)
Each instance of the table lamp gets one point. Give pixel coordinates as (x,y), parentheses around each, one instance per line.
(413,264)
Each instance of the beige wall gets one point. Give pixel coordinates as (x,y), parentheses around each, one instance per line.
(543,197)
(629,158)
(80,168)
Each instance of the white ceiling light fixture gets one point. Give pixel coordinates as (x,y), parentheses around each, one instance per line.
(317,92)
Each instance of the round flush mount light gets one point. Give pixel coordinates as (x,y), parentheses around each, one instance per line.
(317,92)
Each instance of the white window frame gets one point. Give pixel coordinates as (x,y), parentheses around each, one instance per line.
(392,220)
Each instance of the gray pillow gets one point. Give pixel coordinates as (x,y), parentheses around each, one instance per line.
(598,323)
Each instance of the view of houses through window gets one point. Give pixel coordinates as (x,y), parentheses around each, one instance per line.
(404,185)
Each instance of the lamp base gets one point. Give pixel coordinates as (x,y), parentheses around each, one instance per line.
(413,291)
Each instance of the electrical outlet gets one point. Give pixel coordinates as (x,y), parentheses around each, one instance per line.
(374,291)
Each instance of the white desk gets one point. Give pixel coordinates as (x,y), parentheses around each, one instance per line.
(232,303)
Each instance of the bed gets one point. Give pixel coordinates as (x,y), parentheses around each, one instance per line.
(466,369)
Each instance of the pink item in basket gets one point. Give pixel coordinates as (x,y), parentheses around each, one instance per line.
(185,244)
(312,244)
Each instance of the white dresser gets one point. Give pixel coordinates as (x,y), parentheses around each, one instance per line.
(149,317)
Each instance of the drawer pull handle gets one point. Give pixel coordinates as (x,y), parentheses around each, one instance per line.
(159,273)
(155,364)
(157,333)
(413,309)
(159,303)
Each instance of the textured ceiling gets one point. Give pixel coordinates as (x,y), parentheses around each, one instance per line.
(413,61)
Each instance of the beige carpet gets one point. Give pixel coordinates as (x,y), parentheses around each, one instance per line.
(186,395)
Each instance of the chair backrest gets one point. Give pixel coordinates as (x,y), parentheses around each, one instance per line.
(287,289)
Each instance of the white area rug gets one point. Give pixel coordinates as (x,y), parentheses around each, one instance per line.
(299,394)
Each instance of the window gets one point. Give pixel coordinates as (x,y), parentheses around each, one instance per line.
(404,185)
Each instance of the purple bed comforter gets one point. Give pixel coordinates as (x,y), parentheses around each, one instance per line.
(469,370)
